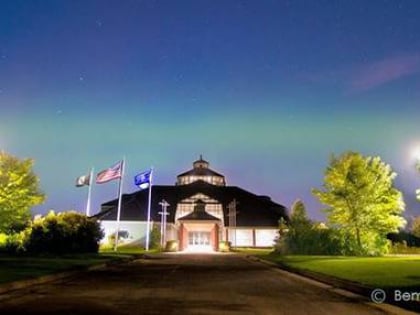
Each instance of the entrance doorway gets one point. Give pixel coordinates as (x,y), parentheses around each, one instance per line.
(199,235)
(199,240)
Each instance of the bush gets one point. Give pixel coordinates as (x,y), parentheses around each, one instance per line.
(301,236)
(154,239)
(13,243)
(63,233)
(224,246)
(3,240)
(403,249)
(311,241)
(172,246)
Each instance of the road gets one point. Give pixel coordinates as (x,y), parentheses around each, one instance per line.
(183,284)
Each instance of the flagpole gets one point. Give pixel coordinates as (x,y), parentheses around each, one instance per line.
(148,210)
(119,204)
(89,192)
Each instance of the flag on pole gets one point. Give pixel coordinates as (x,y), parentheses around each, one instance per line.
(142,180)
(83,180)
(120,188)
(109,174)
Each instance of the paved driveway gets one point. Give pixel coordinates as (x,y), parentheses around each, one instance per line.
(183,284)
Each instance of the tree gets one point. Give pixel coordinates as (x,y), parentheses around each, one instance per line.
(298,213)
(362,200)
(415,227)
(304,237)
(292,234)
(299,230)
(19,191)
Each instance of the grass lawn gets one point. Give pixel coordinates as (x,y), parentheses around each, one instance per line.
(13,268)
(125,250)
(383,272)
(253,251)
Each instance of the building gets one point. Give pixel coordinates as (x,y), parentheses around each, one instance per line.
(202,212)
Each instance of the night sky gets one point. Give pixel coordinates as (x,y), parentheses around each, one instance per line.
(265,90)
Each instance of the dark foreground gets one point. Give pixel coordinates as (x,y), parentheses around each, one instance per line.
(182,284)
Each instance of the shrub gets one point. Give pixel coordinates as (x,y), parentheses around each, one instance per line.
(171,246)
(224,246)
(402,248)
(311,241)
(154,239)
(302,236)
(111,240)
(122,238)
(3,240)
(65,232)
(13,243)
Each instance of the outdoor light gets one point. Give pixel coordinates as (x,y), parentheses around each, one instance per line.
(418,163)
(415,155)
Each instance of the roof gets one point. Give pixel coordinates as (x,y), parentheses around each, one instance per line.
(200,172)
(252,210)
(200,168)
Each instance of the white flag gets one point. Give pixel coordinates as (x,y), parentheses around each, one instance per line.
(83,181)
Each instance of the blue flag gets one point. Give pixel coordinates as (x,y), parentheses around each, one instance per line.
(143,179)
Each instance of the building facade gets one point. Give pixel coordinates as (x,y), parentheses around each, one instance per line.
(201,211)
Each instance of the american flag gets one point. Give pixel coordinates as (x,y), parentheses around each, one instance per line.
(109,174)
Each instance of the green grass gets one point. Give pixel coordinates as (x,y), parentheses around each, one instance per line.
(383,272)
(18,268)
(13,268)
(126,249)
(253,251)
